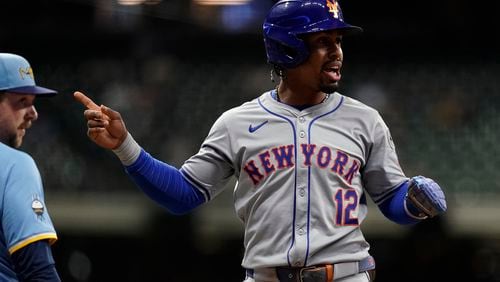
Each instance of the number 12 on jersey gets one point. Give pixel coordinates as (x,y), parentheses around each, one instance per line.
(347,204)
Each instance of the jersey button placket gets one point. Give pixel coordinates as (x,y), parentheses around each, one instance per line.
(302,192)
(298,254)
(301,231)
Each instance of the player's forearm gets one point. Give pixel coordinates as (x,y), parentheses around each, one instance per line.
(160,181)
(394,207)
(128,152)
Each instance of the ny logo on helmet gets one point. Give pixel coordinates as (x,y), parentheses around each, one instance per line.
(26,71)
(333,8)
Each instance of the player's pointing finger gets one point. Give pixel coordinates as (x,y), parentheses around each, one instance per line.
(86,101)
(89,104)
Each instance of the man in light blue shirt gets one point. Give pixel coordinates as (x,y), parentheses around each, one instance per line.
(26,231)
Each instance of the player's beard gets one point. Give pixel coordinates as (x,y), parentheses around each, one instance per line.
(327,84)
(9,138)
(329,88)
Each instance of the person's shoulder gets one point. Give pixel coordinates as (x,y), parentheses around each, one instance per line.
(358,106)
(245,107)
(18,169)
(12,156)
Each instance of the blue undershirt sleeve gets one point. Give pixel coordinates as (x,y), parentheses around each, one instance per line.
(394,207)
(34,262)
(164,184)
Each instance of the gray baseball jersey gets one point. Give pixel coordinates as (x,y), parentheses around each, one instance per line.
(301,176)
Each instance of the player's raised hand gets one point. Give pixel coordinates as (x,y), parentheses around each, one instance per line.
(426,196)
(105,126)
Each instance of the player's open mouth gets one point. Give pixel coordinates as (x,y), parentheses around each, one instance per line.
(333,71)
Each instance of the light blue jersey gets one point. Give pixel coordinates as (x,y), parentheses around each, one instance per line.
(24,217)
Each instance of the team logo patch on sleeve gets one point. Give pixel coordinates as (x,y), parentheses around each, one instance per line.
(37,207)
(390,141)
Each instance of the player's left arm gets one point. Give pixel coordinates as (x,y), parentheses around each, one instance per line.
(27,228)
(35,262)
(414,200)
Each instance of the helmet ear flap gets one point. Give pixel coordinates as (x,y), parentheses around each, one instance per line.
(288,52)
(283,48)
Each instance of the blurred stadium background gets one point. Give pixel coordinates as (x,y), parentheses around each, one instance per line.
(171,67)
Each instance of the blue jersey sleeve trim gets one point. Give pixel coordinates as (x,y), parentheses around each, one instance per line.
(393,207)
(164,184)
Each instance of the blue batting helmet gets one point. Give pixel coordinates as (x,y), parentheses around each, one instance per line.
(288,19)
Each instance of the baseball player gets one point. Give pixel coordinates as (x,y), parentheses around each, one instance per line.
(26,231)
(304,155)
